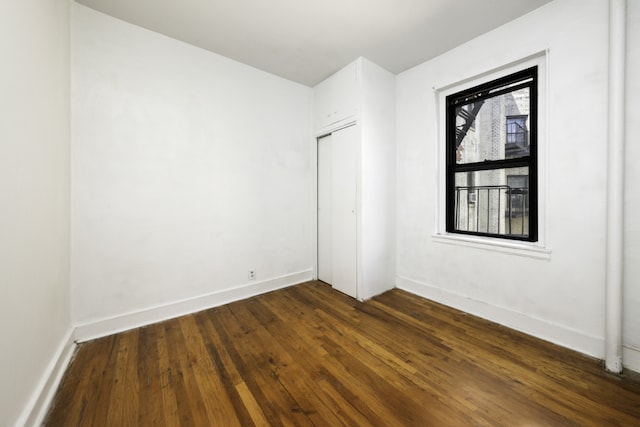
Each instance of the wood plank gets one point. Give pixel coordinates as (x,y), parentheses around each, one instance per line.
(191,407)
(308,355)
(104,385)
(150,399)
(367,383)
(297,379)
(123,398)
(93,362)
(538,378)
(207,377)
(275,402)
(481,386)
(169,404)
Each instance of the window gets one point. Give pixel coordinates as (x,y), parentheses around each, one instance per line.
(517,137)
(491,171)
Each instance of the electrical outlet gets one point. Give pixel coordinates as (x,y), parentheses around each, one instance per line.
(252,274)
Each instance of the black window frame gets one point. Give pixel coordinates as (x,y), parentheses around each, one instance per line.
(521,79)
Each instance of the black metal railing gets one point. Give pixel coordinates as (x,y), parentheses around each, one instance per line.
(492,209)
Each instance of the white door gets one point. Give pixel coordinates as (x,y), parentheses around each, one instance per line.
(337,232)
(343,220)
(324,209)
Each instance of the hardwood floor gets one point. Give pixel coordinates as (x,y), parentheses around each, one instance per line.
(308,355)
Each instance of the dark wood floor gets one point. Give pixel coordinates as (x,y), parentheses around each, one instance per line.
(308,355)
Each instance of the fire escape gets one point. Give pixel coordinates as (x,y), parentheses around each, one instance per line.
(468,114)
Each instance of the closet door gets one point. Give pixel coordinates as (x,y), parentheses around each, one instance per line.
(343,208)
(324,209)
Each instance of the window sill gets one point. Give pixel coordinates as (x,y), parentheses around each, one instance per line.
(529,250)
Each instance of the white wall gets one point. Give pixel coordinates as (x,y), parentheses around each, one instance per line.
(631,291)
(34,208)
(377,178)
(188,170)
(560,298)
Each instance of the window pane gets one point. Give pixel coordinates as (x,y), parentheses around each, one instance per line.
(493,201)
(495,128)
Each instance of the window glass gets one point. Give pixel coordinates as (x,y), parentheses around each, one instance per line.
(494,128)
(491,158)
(493,202)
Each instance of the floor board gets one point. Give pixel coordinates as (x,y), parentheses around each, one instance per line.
(310,356)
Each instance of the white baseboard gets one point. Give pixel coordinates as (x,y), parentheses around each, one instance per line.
(38,405)
(631,358)
(104,327)
(566,337)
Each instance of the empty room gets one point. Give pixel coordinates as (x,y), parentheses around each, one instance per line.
(409,212)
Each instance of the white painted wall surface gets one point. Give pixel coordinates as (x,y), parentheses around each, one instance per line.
(34,207)
(562,298)
(377,178)
(188,170)
(631,290)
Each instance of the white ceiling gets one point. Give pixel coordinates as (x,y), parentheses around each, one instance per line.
(308,40)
